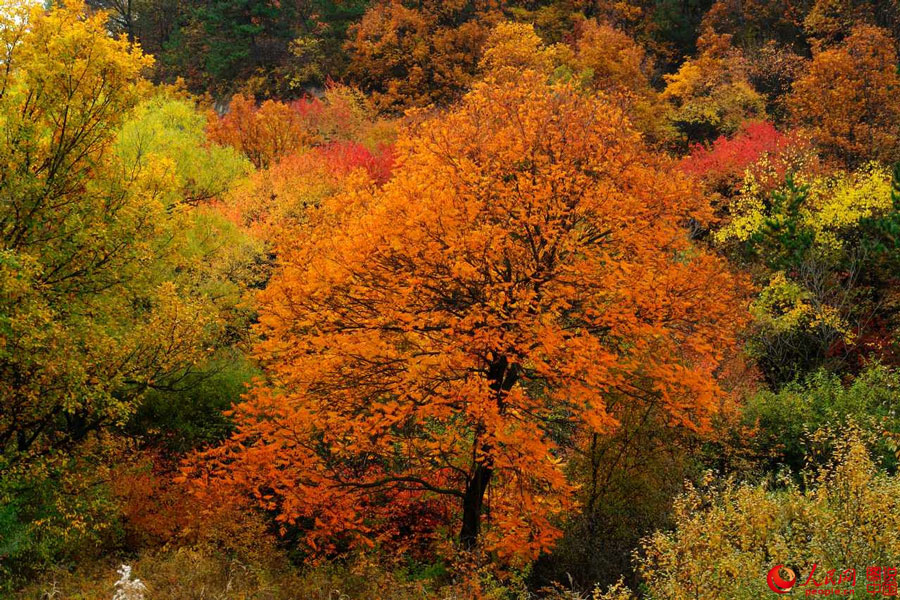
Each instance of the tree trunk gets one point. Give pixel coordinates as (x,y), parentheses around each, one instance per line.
(472,505)
(502,376)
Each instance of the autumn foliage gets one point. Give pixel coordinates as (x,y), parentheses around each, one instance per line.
(849,97)
(722,164)
(417,53)
(446,299)
(440,343)
(263,134)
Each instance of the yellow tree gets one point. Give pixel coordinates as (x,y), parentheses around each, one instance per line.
(66,86)
(98,299)
(711,95)
(435,347)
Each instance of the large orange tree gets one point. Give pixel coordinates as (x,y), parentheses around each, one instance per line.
(436,347)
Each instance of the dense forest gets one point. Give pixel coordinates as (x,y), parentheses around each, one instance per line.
(405,299)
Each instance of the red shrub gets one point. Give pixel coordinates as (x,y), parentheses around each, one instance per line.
(722,164)
(344,156)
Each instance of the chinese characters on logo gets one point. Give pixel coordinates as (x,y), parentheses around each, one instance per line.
(880,581)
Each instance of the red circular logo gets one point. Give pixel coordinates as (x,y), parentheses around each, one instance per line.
(779,584)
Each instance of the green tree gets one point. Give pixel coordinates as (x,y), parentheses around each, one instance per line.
(173,130)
